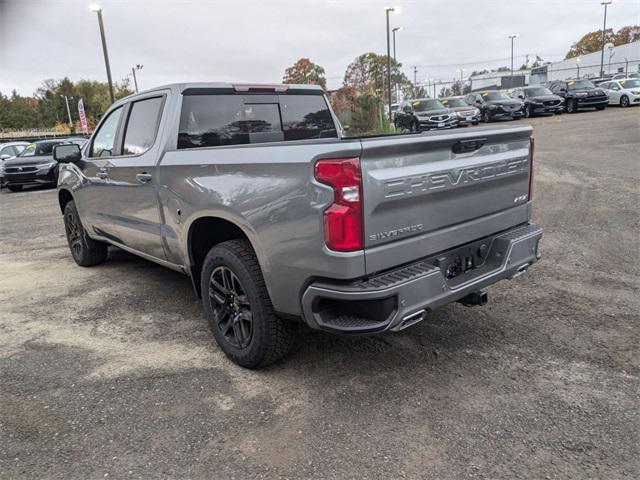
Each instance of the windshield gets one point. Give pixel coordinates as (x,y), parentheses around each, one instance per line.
(38,150)
(424,105)
(495,96)
(538,92)
(454,102)
(579,84)
(635,83)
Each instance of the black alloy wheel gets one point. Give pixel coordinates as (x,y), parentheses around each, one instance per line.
(231,308)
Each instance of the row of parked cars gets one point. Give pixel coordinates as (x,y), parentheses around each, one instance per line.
(23,163)
(554,98)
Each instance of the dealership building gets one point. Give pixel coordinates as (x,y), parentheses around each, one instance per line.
(620,59)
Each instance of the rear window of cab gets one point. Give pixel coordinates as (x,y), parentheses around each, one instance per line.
(231,119)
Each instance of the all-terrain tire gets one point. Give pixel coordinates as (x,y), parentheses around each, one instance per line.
(85,251)
(271,337)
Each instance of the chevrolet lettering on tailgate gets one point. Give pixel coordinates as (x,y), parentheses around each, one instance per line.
(446,179)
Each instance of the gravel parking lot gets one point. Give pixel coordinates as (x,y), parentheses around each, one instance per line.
(112,372)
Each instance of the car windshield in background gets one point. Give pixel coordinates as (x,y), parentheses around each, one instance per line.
(425,105)
(538,92)
(495,96)
(454,102)
(579,84)
(38,150)
(635,83)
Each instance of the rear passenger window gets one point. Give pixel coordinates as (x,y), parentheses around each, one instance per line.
(217,120)
(306,116)
(142,126)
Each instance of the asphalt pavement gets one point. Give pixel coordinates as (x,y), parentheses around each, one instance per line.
(111,371)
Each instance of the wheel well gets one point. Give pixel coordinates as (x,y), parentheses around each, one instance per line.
(204,234)
(64,197)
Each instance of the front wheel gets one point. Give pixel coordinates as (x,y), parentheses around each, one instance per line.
(601,107)
(571,106)
(238,308)
(14,188)
(486,118)
(415,127)
(85,251)
(624,101)
(527,111)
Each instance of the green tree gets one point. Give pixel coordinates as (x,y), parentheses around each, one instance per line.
(368,74)
(304,71)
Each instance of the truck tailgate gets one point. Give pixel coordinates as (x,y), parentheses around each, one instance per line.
(431,192)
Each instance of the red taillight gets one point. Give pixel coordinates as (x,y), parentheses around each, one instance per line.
(343,225)
(532,147)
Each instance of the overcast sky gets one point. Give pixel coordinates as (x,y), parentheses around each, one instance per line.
(255,41)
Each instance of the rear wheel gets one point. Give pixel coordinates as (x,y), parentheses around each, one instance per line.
(238,308)
(624,101)
(85,251)
(14,188)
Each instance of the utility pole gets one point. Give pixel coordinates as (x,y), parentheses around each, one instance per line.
(512,37)
(66,99)
(133,71)
(415,76)
(388,10)
(96,9)
(604,30)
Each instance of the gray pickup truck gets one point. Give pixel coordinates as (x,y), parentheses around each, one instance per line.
(256,193)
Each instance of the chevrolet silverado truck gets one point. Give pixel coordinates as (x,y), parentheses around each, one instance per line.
(256,194)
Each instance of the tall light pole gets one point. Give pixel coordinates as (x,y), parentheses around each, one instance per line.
(387,11)
(135,80)
(578,60)
(513,36)
(66,99)
(396,29)
(96,9)
(606,3)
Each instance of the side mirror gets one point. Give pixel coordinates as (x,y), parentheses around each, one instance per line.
(521,96)
(5,157)
(67,153)
(563,90)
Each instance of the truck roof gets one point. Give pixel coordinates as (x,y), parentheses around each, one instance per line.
(239,87)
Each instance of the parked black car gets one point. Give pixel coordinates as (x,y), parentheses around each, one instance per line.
(467,114)
(538,99)
(35,165)
(579,94)
(425,114)
(494,105)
